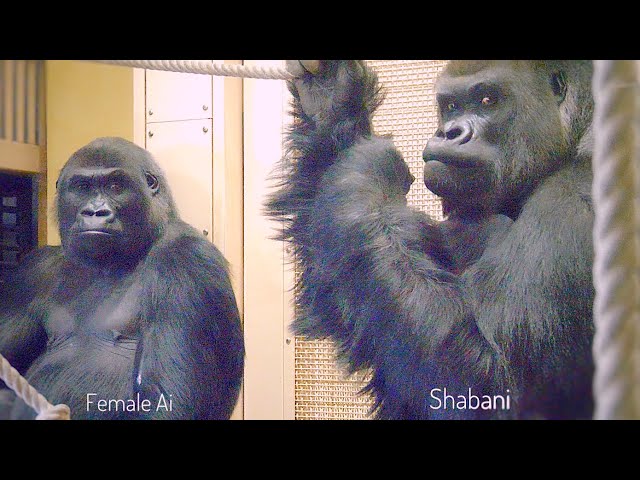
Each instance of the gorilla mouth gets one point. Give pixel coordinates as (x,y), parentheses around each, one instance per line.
(457,160)
(477,154)
(96,232)
(94,245)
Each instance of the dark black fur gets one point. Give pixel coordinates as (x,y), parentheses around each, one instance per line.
(148,309)
(496,299)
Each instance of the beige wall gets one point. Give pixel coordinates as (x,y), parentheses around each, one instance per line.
(19,157)
(268,277)
(228,198)
(84,100)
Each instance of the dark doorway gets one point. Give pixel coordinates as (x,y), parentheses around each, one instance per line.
(18,227)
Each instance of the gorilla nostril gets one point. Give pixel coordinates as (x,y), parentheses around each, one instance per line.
(103,213)
(90,212)
(461,133)
(454,133)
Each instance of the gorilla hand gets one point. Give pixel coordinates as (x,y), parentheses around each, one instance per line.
(300,67)
(334,99)
(326,87)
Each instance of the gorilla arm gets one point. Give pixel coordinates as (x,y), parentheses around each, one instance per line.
(192,346)
(22,333)
(532,297)
(376,260)
(367,280)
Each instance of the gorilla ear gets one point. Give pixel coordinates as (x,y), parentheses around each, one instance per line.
(152,182)
(558,85)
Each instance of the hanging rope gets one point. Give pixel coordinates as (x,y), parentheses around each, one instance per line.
(206,67)
(616,263)
(30,395)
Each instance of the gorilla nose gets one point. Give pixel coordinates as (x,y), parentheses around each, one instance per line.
(103,213)
(90,212)
(453,143)
(457,132)
(96,218)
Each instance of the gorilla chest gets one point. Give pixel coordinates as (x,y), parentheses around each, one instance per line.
(103,307)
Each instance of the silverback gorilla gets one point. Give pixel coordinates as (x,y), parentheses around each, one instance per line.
(135,305)
(487,314)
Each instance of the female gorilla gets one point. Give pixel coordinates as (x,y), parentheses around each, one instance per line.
(485,315)
(133,317)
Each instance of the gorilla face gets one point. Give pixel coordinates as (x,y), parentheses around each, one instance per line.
(106,205)
(499,126)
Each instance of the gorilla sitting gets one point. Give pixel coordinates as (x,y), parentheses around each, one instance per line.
(487,314)
(133,317)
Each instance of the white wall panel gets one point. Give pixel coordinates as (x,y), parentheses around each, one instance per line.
(175,96)
(184,150)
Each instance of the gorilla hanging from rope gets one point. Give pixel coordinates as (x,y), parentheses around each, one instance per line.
(133,317)
(487,314)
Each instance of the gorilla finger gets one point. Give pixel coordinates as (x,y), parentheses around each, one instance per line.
(300,67)
(56,412)
(312,66)
(295,68)
(348,77)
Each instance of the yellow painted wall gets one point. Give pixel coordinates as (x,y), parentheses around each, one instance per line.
(84,100)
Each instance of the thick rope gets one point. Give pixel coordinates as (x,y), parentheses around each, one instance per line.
(206,67)
(30,395)
(616,263)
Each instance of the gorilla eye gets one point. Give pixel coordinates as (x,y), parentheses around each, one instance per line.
(451,106)
(152,181)
(81,187)
(115,188)
(559,85)
(487,100)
